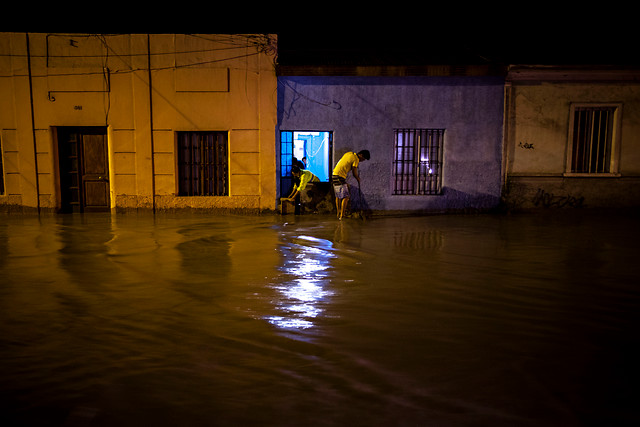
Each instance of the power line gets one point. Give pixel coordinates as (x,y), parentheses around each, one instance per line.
(262,43)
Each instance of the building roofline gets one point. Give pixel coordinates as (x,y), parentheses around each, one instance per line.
(528,74)
(443,70)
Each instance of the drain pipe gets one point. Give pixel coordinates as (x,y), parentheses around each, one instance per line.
(33,125)
(153,167)
(507,130)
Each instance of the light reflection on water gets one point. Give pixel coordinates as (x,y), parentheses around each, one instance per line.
(202,320)
(304,285)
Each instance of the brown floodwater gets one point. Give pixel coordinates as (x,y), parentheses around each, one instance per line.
(203,320)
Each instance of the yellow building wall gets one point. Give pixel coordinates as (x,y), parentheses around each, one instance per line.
(202,82)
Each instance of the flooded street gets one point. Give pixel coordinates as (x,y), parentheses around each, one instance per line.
(202,320)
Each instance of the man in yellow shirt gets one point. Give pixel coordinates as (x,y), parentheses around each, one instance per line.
(305,177)
(348,162)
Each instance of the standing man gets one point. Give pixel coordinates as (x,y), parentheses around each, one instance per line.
(348,162)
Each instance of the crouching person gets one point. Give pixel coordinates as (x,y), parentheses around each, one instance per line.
(304,177)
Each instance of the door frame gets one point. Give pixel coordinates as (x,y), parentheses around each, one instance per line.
(285,158)
(65,205)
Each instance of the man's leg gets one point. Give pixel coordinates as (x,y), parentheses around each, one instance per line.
(342,207)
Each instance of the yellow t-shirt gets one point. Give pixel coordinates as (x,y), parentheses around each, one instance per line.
(346,163)
(306,177)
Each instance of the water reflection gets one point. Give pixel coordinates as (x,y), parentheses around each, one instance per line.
(303,288)
(200,320)
(76,246)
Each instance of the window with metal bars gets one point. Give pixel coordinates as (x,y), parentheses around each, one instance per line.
(286,162)
(417,161)
(203,165)
(592,139)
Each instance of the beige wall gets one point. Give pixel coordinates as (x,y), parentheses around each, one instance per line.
(199,82)
(537,108)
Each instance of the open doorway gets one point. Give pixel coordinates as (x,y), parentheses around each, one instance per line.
(312,148)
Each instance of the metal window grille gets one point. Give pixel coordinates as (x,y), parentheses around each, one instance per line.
(286,162)
(592,139)
(418,161)
(286,153)
(203,166)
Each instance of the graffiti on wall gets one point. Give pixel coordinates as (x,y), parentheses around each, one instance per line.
(526,145)
(550,200)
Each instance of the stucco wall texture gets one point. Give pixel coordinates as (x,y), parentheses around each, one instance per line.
(142,88)
(362,113)
(538,140)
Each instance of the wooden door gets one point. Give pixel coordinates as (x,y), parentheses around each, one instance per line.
(84,169)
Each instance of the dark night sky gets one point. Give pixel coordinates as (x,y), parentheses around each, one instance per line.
(395,34)
(510,33)
(556,46)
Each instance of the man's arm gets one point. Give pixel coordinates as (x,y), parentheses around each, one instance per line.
(354,170)
(292,196)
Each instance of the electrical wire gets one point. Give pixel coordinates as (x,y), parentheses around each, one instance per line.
(262,44)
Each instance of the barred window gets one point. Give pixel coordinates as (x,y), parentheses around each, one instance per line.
(417,162)
(286,162)
(203,165)
(592,140)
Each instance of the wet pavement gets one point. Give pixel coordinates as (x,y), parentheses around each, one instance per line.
(203,320)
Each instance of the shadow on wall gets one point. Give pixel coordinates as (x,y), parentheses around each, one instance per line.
(359,204)
(458,200)
(319,198)
(450,201)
